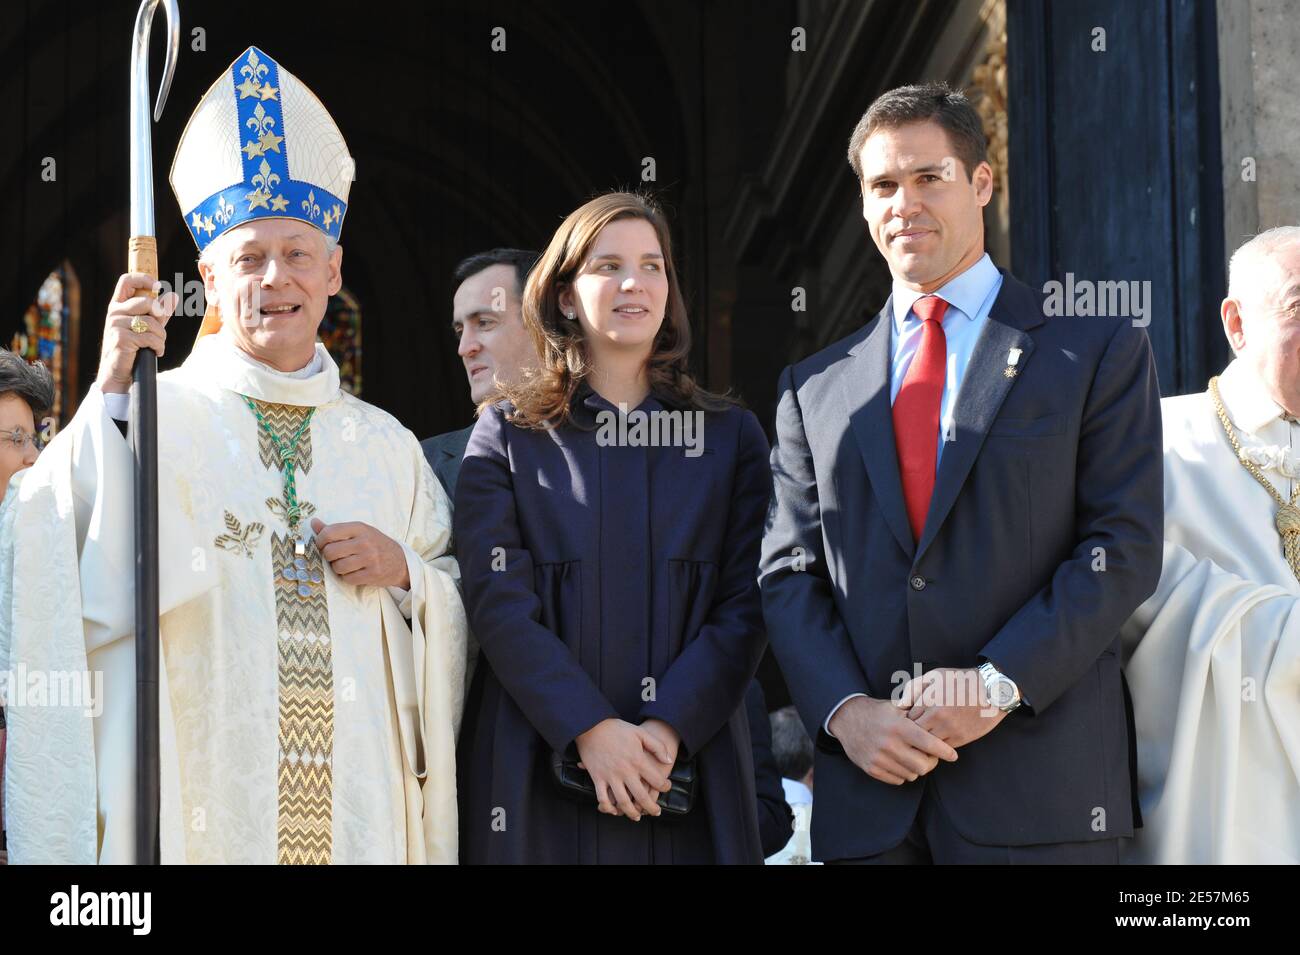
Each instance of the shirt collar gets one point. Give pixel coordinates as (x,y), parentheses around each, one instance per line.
(1245,398)
(306,371)
(215,360)
(965,292)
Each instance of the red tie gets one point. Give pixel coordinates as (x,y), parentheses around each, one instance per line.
(916,412)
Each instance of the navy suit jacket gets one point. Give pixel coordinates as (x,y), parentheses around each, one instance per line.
(444,453)
(1051,475)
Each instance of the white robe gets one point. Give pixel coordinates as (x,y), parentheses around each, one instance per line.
(1213,657)
(394,683)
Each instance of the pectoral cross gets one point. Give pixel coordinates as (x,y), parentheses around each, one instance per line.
(298,574)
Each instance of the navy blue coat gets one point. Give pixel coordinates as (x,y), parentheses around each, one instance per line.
(588,569)
(1051,470)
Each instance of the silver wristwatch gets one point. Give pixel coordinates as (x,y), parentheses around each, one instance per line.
(1002,690)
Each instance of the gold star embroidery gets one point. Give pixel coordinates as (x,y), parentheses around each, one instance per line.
(253,149)
(208,225)
(256,199)
(270,142)
(247,88)
(196,223)
(279,204)
(268,91)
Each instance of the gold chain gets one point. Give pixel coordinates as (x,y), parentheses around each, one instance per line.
(1287,518)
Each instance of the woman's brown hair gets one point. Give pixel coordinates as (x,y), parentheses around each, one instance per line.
(543,398)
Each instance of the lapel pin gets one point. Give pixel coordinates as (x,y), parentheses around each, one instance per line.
(1013,359)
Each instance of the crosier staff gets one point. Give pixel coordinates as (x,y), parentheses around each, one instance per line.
(142,256)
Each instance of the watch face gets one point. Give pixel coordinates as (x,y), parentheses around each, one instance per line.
(1003,695)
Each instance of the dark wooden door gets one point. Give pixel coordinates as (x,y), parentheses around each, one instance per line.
(1115,163)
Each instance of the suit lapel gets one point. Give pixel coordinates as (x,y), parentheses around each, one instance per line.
(452,452)
(864,386)
(455,448)
(984,387)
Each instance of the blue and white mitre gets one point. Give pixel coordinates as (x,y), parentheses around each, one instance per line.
(260,145)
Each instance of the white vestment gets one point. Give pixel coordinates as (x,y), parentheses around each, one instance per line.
(300,719)
(1213,657)
(798,851)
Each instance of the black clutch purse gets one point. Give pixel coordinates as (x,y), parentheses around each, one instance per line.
(577,784)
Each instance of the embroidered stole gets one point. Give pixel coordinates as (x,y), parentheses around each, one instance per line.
(306,669)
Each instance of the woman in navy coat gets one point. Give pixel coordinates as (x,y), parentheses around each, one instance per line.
(608,517)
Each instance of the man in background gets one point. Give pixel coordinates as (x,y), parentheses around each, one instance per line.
(487,319)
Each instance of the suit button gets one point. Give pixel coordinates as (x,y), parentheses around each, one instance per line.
(917,582)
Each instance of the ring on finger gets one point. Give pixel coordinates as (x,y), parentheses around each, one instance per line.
(139,325)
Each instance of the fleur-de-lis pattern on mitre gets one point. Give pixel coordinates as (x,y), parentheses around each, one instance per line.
(251,113)
(265,181)
(224,211)
(252,72)
(263,126)
(310,206)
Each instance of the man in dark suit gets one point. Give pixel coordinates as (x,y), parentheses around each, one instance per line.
(494,345)
(967,506)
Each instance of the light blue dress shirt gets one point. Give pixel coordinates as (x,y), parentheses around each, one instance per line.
(970,298)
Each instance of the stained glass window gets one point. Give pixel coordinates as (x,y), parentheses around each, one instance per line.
(340,333)
(49,333)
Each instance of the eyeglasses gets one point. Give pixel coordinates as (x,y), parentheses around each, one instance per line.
(19,438)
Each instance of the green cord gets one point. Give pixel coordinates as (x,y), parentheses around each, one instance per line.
(287,459)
